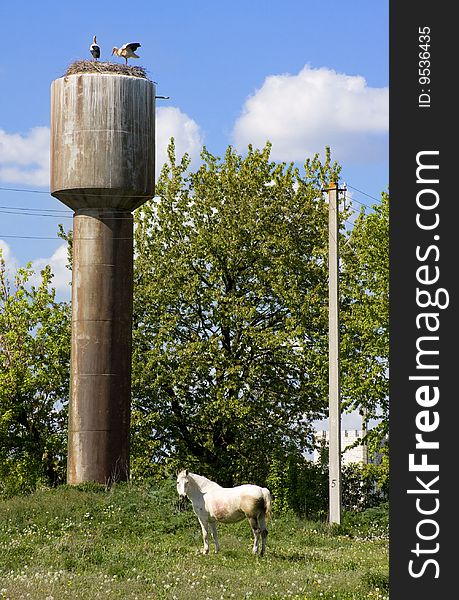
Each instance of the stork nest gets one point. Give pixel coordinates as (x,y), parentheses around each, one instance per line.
(93,66)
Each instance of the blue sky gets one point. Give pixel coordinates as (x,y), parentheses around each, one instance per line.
(303,74)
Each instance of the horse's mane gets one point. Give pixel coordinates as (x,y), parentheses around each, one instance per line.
(203,482)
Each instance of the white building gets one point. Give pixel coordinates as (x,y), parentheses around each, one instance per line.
(357,454)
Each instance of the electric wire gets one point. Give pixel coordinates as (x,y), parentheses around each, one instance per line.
(378,200)
(68,214)
(54,210)
(7,189)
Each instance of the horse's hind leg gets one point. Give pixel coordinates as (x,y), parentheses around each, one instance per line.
(256,533)
(263,531)
(213,529)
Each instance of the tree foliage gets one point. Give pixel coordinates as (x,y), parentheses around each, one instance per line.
(365,318)
(230,339)
(34,373)
(230,312)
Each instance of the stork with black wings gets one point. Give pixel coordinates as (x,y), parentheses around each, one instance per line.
(94,48)
(127,51)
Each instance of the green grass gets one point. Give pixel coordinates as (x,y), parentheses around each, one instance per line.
(135,542)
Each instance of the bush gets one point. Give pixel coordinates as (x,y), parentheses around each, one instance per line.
(301,486)
(364,486)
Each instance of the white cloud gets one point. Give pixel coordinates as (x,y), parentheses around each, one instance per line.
(172,122)
(11,263)
(62,276)
(301,114)
(57,261)
(24,159)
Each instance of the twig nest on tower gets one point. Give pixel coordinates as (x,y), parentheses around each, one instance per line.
(90,66)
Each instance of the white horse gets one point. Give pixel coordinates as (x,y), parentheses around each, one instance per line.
(212,503)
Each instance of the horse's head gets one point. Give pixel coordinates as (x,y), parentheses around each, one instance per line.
(182,483)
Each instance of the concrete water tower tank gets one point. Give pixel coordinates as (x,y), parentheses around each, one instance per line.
(102,166)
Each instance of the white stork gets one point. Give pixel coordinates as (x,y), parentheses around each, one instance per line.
(94,48)
(127,51)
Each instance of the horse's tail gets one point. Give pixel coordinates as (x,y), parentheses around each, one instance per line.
(268,502)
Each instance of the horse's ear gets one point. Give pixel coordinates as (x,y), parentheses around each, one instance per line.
(186,473)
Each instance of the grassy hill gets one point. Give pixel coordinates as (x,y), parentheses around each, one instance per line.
(137,542)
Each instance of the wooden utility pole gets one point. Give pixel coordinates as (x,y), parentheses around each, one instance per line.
(334,407)
(364,435)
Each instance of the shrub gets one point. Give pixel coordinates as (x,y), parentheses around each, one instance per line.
(301,486)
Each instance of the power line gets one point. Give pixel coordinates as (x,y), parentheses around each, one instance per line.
(98,195)
(5,189)
(35,209)
(108,215)
(34,214)
(378,200)
(68,214)
(37,237)
(33,191)
(361,203)
(28,237)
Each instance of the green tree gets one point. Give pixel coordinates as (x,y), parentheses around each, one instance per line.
(230,313)
(365,318)
(34,374)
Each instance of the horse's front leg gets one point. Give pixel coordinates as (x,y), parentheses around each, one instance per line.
(213,529)
(205,534)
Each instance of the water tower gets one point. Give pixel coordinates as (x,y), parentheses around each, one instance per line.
(102,167)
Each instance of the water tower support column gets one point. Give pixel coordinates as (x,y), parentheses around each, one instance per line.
(100,392)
